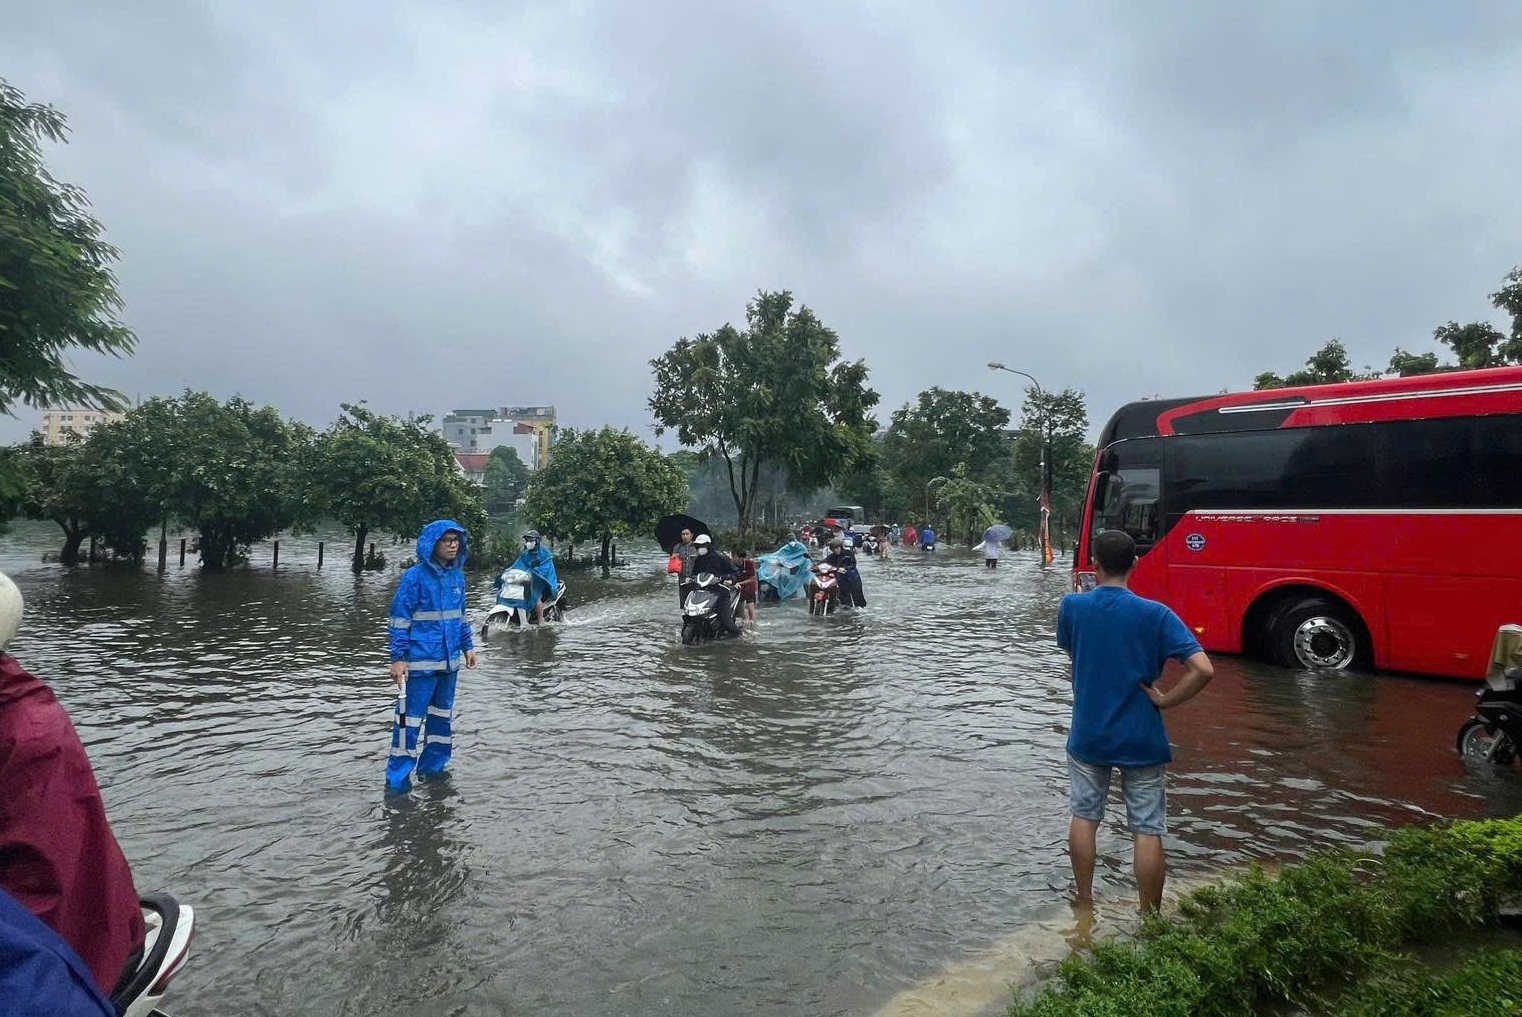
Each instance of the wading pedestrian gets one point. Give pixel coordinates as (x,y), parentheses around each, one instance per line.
(1119,644)
(430,639)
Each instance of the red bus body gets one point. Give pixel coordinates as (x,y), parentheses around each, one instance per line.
(1398,500)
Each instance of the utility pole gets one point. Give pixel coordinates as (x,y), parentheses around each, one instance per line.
(1047,555)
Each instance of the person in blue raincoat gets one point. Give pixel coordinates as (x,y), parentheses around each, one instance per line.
(784,572)
(430,639)
(537,561)
(40,975)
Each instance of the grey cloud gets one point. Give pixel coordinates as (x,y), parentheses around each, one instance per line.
(430,204)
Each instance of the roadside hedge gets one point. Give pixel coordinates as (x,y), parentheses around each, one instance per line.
(1259,942)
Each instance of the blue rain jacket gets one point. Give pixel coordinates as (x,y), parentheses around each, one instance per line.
(541,564)
(786,569)
(427,624)
(40,976)
(927,537)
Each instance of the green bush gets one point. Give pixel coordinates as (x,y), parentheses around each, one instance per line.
(1259,941)
(1488,983)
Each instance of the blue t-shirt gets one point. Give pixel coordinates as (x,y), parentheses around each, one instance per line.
(1118,640)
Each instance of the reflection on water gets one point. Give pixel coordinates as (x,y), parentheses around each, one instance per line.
(808,820)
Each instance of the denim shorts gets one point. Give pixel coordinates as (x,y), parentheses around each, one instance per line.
(1143,787)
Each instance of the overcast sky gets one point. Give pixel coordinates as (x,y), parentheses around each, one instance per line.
(438,204)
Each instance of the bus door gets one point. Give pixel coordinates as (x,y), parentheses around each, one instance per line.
(1126,497)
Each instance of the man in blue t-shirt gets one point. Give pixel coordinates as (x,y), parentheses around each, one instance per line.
(1119,643)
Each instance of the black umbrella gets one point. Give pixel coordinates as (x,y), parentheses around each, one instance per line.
(668,530)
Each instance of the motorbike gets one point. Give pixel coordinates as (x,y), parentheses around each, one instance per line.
(171,926)
(870,545)
(701,621)
(823,590)
(514,608)
(1494,733)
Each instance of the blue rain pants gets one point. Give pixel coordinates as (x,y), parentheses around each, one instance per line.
(422,736)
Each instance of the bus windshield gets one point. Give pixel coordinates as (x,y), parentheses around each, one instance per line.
(1126,499)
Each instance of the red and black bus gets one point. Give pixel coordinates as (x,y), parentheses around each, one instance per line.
(1371,524)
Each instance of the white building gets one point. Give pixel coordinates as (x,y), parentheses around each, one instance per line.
(527,430)
(58,424)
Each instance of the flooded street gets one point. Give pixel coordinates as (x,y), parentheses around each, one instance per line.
(805,822)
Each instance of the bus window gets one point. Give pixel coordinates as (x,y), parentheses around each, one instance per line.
(1127,500)
(1498,448)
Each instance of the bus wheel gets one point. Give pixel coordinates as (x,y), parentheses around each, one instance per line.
(1315,634)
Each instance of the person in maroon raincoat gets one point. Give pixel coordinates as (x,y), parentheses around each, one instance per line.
(58,856)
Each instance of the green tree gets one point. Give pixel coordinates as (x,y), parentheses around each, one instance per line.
(389,474)
(234,472)
(56,490)
(1407,365)
(1508,299)
(942,430)
(57,292)
(506,479)
(1060,421)
(604,484)
(776,394)
(1328,365)
(874,486)
(78,486)
(964,505)
(1478,344)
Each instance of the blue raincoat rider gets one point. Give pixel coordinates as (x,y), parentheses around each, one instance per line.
(40,975)
(539,563)
(430,639)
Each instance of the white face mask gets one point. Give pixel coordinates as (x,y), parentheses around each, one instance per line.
(702,549)
(528,545)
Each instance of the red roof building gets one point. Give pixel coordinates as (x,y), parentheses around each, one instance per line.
(473,464)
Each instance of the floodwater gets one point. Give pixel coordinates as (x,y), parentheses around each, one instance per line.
(815,820)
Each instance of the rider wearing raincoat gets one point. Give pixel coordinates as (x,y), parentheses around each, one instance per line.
(537,561)
(784,572)
(430,639)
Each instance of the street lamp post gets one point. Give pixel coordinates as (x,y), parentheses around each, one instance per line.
(1046,461)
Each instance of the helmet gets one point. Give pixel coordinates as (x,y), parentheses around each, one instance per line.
(10,610)
(532,535)
(703,540)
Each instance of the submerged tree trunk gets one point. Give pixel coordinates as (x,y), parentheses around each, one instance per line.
(360,533)
(606,558)
(218,548)
(73,536)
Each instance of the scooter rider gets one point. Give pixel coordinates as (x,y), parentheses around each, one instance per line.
(714,563)
(539,563)
(843,558)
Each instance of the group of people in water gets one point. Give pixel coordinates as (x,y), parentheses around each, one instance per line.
(430,638)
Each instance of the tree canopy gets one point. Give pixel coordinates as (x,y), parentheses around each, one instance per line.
(604,484)
(1474,345)
(1328,365)
(239,472)
(57,291)
(964,505)
(390,474)
(775,394)
(506,479)
(1060,420)
(942,430)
